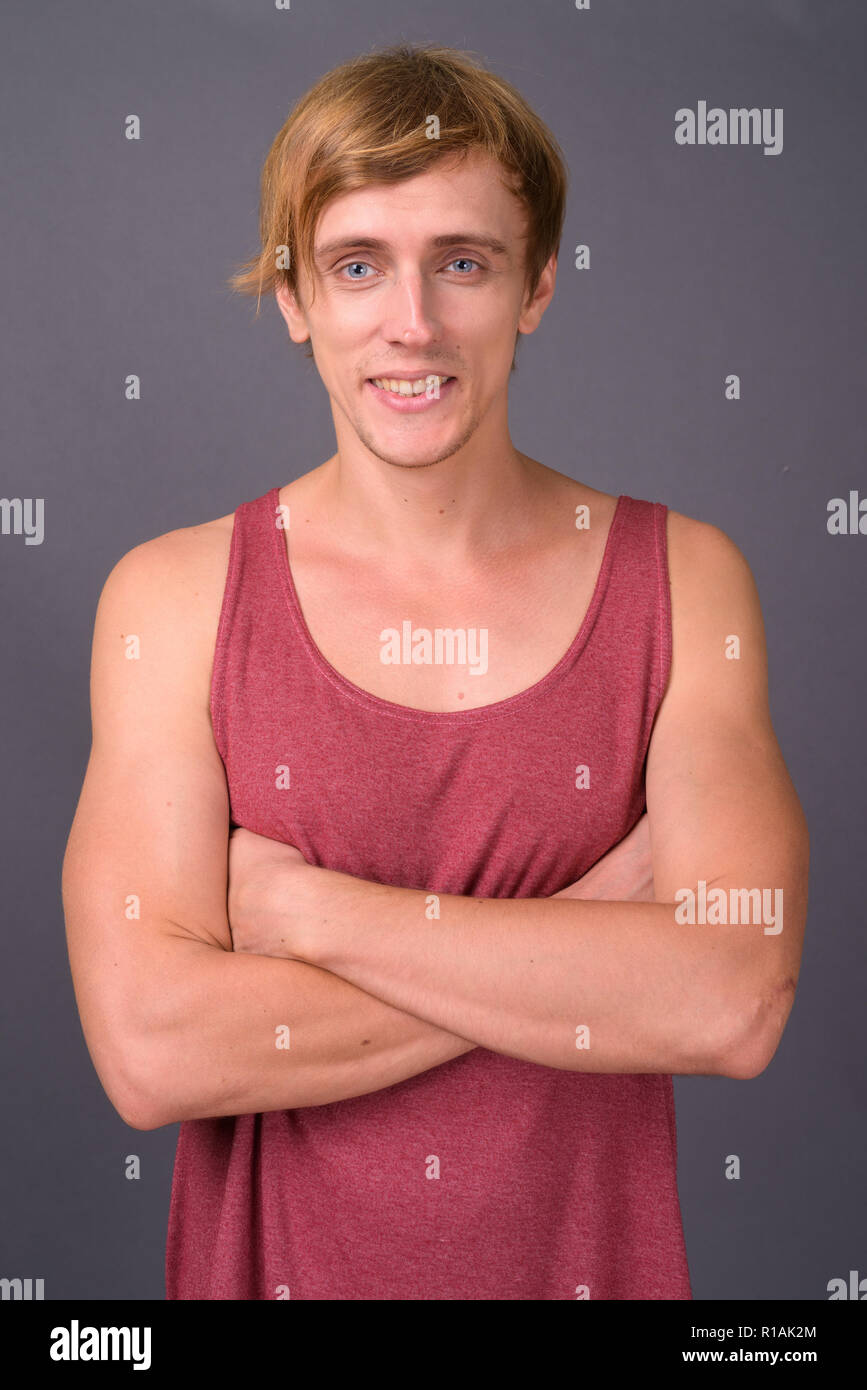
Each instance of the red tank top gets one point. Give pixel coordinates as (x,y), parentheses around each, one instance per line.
(550,1180)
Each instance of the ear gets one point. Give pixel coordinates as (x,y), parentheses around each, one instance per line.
(533,309)
(293,315)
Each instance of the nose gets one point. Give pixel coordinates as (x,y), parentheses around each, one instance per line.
(409,314)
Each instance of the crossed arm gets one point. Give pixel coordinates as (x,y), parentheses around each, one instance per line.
(180,1025)
(586,985)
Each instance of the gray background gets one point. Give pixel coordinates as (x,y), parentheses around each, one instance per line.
(705,261)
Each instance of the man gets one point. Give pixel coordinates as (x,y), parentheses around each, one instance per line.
(419,1023)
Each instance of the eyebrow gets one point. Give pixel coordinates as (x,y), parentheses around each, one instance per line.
(369,243)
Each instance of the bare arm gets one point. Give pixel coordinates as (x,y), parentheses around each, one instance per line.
(145,884)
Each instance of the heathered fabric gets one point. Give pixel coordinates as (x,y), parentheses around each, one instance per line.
(550,1181)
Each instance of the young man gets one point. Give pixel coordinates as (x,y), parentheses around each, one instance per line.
(419,1023)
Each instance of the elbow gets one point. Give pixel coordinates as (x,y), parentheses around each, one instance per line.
(753,1045)
(143,1110)
(136,1092)
(748,1062)
(141,1116)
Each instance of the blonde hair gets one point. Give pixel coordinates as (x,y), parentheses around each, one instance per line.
(366,121)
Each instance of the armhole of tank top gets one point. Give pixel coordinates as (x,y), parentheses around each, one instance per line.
(663,604)
(668,1097)
(218,673)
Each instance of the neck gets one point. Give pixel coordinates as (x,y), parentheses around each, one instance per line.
(445,517)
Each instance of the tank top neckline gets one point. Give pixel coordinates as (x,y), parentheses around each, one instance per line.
(460,716)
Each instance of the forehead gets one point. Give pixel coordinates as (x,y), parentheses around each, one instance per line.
(471,192)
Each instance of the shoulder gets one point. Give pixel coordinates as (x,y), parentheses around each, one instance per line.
(716,616)
(706,567)
(176,558)
(173,583)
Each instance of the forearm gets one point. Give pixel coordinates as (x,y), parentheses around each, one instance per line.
(213,1049)
(222,1017)
(523,976)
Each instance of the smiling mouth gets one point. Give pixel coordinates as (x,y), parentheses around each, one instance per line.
(409,386)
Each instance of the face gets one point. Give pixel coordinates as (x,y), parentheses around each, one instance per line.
(417,281)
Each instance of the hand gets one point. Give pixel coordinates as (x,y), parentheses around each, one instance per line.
(260,891)
(624,874)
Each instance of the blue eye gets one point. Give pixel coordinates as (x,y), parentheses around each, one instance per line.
(350,265)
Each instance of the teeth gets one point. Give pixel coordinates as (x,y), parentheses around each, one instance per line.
(407,388)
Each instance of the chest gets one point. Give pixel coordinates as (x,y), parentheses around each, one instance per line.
(448,646)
